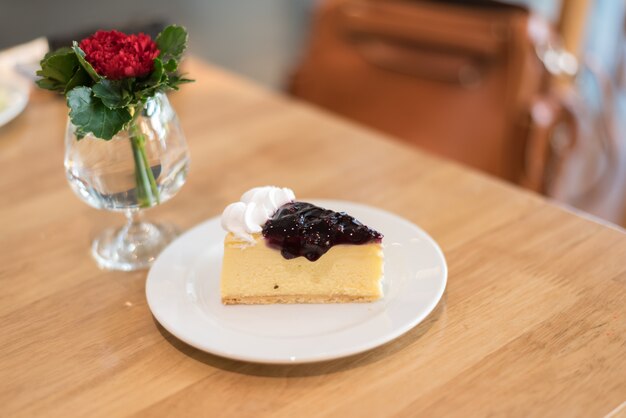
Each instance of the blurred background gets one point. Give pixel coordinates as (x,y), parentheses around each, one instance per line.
(529,91)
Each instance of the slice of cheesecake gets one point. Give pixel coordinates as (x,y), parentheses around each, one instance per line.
(258,274)
(278,250)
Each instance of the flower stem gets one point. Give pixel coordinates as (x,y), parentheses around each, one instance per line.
(147,190)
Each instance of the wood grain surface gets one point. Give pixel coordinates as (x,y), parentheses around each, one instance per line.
(533,322)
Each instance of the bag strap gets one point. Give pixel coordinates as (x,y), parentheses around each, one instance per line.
(549,118)
(597,126)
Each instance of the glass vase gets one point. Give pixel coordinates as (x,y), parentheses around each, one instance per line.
(142,166)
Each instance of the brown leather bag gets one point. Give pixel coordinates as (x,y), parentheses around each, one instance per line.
(456,79)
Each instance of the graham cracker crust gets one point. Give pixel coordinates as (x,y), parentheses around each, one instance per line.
(271,299)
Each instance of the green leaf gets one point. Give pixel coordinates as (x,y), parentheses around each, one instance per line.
(172,42)
(80,78)
(175,80)
(156,81)
(128,84)
(80,54)
(60,51)
(57,69)
(89,114)
(171,65)
(111,93)
(157,72)
(49,84)
(79,133)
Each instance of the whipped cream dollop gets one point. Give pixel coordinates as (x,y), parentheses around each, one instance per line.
(255,207)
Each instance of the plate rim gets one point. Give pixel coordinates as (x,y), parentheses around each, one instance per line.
(363,347)
(13,111)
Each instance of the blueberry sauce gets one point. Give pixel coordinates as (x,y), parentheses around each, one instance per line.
(303,229)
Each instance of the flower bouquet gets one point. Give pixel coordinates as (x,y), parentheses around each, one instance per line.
(114,86)
(107,78)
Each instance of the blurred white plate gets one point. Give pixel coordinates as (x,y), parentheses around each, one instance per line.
(183,293)
(13,100)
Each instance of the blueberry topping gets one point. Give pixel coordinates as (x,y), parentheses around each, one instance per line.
(301,229)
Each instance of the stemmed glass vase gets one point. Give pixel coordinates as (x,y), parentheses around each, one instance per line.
(140,167)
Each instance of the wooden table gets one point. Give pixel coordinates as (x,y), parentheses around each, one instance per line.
(533,321)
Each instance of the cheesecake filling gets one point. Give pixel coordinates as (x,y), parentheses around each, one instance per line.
(301,229)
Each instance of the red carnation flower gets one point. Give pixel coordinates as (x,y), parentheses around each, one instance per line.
(115,55)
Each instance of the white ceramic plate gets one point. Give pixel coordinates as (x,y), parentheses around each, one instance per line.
(184,295)
(13,100)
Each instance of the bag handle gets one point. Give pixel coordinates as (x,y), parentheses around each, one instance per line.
(557,121)
(599,127)
(542,165)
